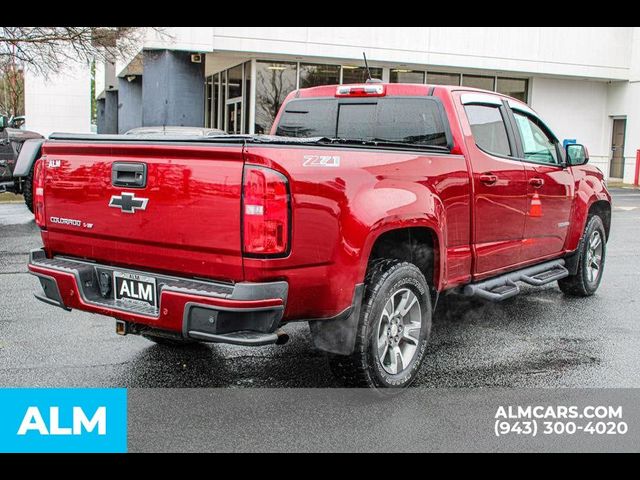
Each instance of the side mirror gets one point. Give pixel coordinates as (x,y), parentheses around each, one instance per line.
(4,122)
(576,154)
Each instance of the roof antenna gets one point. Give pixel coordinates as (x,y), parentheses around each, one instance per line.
(370,79)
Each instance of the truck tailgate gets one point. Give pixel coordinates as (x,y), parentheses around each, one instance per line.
(185,219)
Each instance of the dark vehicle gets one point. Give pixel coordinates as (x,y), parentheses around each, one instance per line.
(11,142)
(169,130)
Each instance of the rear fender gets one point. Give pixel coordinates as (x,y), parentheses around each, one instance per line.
(415,206)
(30,152)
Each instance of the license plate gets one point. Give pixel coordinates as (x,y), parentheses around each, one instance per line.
(135,288)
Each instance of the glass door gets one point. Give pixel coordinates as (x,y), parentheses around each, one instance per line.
(233,116)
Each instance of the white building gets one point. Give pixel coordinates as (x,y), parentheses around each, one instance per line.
(585,82)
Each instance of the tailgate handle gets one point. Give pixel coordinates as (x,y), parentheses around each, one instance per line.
(128,174)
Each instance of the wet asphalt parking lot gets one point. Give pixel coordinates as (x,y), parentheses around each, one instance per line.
(538,339)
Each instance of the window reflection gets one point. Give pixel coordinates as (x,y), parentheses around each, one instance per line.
(440,78)
(399,75)
(274,81)
(478,81)
(234,76)
(352,74)
(514,87)
(312,75)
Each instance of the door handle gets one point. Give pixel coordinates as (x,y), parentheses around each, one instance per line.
(488,178)
(125,174)
(536,182)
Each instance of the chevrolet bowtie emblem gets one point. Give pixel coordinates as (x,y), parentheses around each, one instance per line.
(128,203)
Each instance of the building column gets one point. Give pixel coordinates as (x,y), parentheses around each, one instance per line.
(172,89)
(100,115)
(110,118)
(129,103)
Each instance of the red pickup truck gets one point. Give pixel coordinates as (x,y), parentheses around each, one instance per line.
(364,204)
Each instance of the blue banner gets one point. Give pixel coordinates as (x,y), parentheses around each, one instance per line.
(63,420)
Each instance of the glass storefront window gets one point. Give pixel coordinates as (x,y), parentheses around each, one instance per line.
(216,100)
(208,101)
(312,75)
(514,87)
(359,74)
(223,98)
(234,76)
(398,75)
(274,81)
(247,95)
(478,81)
(441,78)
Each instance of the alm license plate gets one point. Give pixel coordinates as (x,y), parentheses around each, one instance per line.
(135,288)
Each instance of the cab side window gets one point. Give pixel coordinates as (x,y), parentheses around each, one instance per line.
(488,128)
(537,144)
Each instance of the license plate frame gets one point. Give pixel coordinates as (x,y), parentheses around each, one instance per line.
(135,289)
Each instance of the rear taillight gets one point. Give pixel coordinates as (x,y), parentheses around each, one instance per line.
(265,199)
(38,193)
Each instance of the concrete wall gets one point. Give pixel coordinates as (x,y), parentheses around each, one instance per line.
(576,109)
(129,104)
(603,52)
(623,100)
(172,89)
(59,103)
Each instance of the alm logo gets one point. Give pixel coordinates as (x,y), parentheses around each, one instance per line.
(63,420)
(33,421)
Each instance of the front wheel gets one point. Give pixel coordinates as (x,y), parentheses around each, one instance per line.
(393,331)
(591,264)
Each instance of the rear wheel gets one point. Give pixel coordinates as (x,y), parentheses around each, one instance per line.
(591,264)
(393,331)
(27,189)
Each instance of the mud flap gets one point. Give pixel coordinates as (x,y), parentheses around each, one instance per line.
(338,334)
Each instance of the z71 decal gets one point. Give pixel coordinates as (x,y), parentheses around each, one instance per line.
(321,161)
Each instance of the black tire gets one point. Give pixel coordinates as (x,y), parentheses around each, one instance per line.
(364,367)
(581,284)
(27,189)
(170,342)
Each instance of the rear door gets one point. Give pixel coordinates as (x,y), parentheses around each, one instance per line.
(499,183)
(550,186)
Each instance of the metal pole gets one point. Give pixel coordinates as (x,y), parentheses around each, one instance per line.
(252,98)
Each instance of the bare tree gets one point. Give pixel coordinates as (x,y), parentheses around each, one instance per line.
(47,49)
(11,90)
(273,87)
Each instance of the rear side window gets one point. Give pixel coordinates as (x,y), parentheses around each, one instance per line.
(395,119)
(411,121)
(488,128)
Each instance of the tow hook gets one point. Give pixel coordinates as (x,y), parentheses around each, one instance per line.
(121,327)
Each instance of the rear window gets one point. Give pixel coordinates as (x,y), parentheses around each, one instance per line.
(405,120)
